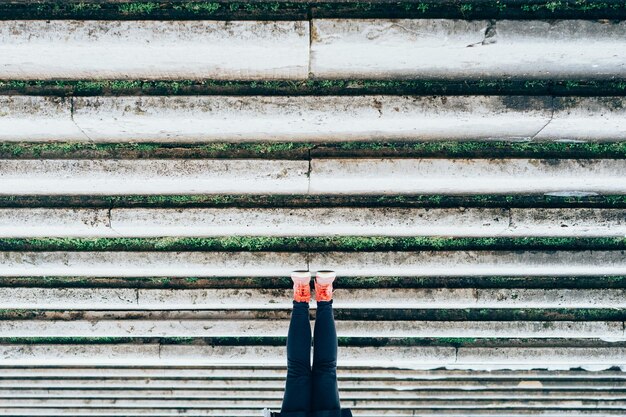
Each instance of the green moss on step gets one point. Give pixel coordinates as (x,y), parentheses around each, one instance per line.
(302,10)
(299,200)
(343,243)
(142,8)
(306,150)
(491,86)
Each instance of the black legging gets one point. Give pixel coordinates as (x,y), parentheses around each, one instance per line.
(311,390)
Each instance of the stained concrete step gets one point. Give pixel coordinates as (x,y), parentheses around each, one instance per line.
(190,397)
(138,327)
(332,48)
(414,357)
(234,299)
(363,383)
(243,402)
(274,393)
(316,221)
(92,49)
(462,49)
(561,263)
(522,379)
(188,119)
(320,176)
(255,412)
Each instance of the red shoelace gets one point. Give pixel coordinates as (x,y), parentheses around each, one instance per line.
(323,292)
(302,292)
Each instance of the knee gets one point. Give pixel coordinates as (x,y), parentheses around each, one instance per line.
(297,368)
(329,366)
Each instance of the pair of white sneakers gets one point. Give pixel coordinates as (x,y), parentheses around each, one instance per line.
(323,285)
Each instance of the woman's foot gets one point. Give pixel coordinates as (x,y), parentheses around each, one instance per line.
(301,286)
(324,285)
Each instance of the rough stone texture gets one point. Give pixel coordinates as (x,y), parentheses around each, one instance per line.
(468,176)
(152,176)
(471,263)
(305,118)
(327,176)
(234,299)
(461,50)
(318,221)
(37,119)
(188,119)
(146,327)
(137,264)
(99,49)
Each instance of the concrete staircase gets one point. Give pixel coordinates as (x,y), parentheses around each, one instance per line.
(165,165)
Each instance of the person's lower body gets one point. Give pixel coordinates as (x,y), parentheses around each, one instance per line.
(313,389)
(324,392)
(297,395)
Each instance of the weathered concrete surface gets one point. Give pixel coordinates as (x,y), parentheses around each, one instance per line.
(604,330)
(461,49)
(312,118)
(470,263)
(152,176)
(233,299)
(421,357)
(228,403)
(146,354)
(590,119)
(318,221)
(348,264)
(129,264)
(548,358)
(37,119)
(148,49)
(261,376)
(332,176)
(307,118)
(467,176)
(274,390)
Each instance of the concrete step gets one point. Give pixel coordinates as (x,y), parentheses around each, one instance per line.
(320,176)
(234,299)
(274,393)
(211,376)
(188,119)
(363,383)
(92,49)
(136,327)
(414,357)
(255,412)
(275,402)
(462,49)
(316,221)
(332,48)
(93,264)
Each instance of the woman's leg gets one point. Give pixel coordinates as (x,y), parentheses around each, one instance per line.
(298,386)
(325,393)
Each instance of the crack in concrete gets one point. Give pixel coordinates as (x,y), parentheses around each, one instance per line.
(74,121)
(109,224)
(308,173)
(548,122)
(310,55)
(489,36)
(510,218)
